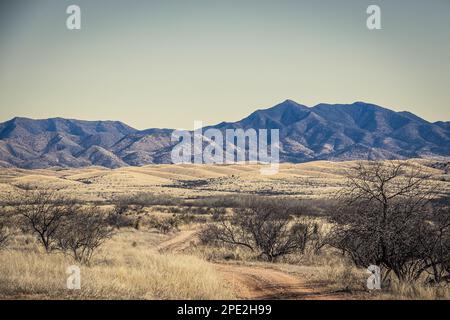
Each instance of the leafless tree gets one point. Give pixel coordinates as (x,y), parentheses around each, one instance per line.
(83,233)
(435,244)
(226,231)
(262,226)
(42,212)
(385,218)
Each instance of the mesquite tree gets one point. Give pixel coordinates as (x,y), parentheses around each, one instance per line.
(42,212)
(387,218)
(265,227)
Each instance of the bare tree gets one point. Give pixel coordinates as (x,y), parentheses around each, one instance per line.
(262,226)
(42,212)
(83,233)
(435,244)
(384,218)
(226,231)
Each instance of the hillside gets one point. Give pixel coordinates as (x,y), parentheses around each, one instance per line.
(323,132)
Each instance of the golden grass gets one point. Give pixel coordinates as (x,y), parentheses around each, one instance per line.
(329,270)
(126,268)
(305,180)
(417,291)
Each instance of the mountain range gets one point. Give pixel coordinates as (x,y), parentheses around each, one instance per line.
(323,132)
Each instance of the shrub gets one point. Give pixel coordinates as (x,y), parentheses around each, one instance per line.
(4,235)
(263,226)
(386,219)
(42,212)
(139,201)
(121,221)
(83,233)
(166,224)
(5,227)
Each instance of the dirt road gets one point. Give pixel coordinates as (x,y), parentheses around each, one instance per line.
(182,240)
(254,282)
(250,282)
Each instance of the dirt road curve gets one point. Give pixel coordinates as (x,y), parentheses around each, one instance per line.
(182,240)
(251,282)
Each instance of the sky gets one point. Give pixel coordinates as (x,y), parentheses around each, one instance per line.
(167,63)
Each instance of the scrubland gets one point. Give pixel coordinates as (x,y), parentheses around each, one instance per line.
(127,267)
(159,215)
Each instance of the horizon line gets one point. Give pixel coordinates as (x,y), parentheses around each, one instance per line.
(208,125)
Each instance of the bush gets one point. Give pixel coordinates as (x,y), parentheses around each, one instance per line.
(386,218)
(123,205)
(60,223)
(218,213)
(121,221)
(295,206)
(4,235)
(5,227)
(139,201)
(83,233)
(42,213)
(165,225)
(263,226)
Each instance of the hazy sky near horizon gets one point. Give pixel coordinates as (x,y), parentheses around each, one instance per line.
(167,63)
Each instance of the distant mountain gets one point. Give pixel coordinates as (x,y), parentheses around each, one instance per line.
(323,132)
(348,131)
(28,143)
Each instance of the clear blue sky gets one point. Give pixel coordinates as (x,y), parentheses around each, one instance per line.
(167,63)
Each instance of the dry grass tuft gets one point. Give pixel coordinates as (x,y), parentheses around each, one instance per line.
(417,291)
(127,268)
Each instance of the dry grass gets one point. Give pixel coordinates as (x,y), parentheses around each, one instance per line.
(319,179)
(329,270)
(417,291)
(127,268)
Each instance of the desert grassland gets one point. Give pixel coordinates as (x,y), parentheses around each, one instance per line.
(328,270)
(127,267)
(320,179)
(132,265)
(97,183)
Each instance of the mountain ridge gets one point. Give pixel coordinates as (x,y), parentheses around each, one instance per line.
(322,132)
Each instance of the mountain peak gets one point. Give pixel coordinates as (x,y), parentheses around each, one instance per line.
(291,102)
(323,132)
(285,106)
